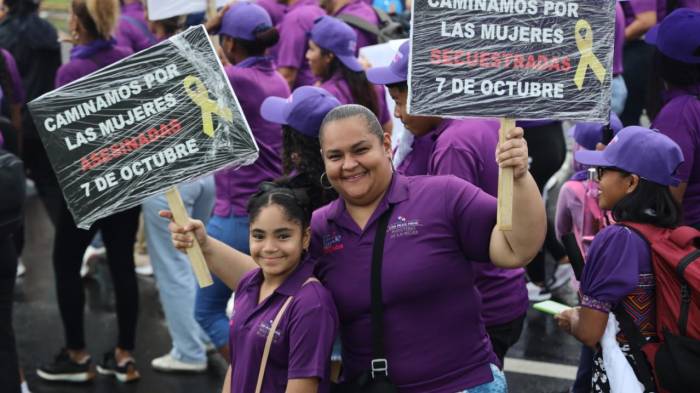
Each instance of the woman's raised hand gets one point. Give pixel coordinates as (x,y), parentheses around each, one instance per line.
(183,235)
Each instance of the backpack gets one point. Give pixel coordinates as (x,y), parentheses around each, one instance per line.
(593,217)
(13,186)
(675,359)
(388,29)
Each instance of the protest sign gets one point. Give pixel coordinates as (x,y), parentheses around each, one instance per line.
(523,59)
(142,125)
(162,9)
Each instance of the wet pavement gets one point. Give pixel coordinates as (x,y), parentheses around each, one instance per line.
(547,352)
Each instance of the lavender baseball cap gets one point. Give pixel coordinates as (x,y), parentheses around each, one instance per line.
(647,153)
(588,135)
(243,20)
(336,36)
(678,36)
(304,110)
(396,72)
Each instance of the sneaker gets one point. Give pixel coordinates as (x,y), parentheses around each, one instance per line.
(142,264)
(168,363)
(21,269)
(562,275)
(92,254)
(25,387)
(124,373)
(535,293)
(65,369)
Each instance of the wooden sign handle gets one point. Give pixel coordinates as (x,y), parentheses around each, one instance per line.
(504,220)
(199,265)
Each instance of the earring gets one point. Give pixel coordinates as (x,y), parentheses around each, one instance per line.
(325,187)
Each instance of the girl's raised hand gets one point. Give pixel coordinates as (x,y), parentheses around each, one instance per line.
(183,235)
(513,153)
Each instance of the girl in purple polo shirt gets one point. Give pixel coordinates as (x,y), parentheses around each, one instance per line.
(247,32)
(92,23)
(635,171)
(331,57)
(11,96)
(677,71)
(279,242)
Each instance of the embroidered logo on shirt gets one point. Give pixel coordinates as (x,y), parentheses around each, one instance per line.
(264,330)
(332,242)
(404,227)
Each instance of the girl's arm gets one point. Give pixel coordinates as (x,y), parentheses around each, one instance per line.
(304,385)
(227,382)
(586,324)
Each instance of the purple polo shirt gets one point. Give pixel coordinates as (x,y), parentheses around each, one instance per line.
(434,337)
(614,262)
(619,40)
(465,148)
(363,10)
(294,32)
(416,161)
(303,339)
(679,119)
(18,94)
(633,7)
(340,89)
(132,30)
(253,80)
(275,9)
(86,59)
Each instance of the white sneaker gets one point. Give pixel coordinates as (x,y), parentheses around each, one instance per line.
(92,254)
(169,364)
(535,293)
(25,387)
(143,264)
(21,269)
(562,275)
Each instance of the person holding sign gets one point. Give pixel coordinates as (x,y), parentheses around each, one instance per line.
(92,23)
(247,32)
(280,310)
(434,226)
(463,148)
(331,57)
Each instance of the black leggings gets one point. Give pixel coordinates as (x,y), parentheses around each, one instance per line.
(547,149)
(119,233)
(637,61)
(9,369)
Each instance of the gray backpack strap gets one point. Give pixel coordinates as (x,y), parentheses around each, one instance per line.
(360,23)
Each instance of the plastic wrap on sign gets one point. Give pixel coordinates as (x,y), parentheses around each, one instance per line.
(135,128)
(523,59)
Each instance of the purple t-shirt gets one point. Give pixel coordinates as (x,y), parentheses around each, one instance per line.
(362,10)
(619,40)
(275,9)
(416,161)
(18,95)
(132,31)
(86,59)
(633,7)
(340,89)
(303,339)
(465,148)
(253,80)
(294,32)
(679,119)
(434,337)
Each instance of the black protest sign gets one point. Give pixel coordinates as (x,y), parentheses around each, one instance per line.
(144,124)
(524,59)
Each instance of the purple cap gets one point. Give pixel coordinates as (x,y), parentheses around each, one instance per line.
(243,20)
(396,72)
(646,153)
(588,135)
(678,36)
(304,110)
(336,36)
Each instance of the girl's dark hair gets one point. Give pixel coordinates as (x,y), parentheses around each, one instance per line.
(650,203)
(362,91)
(310,168)
(402,86)
(5,80)
(667,72)
(263,39)
(21,7)
(293,201)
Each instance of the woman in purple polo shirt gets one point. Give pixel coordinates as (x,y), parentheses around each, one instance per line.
(301,116)
(12,97)
(436,226)
(677,69)
(635,171)
(92,23)
(331,57)
(279,242)
(132,30)
(247,32)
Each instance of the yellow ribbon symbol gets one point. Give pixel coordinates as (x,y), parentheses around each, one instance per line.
(584,42)
(200,95)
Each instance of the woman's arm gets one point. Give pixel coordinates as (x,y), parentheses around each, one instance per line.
(289,74)
(227,263)
(227,382)
(304,385)
(586,324)
(641,24)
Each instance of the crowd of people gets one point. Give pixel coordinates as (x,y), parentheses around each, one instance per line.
(351,265)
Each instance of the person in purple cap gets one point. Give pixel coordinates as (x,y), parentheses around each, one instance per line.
(348,10)
(92,24)
(635,171)
(132,30)
(331,57)
(438,229)
(463,148)
(677,72)
(282,287)
(290,51)
(300,116)
(247,32)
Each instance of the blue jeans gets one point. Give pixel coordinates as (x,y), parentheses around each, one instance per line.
(210,308)
(173,272)
(619,94)
(498,385)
